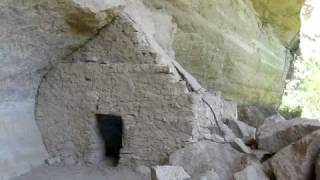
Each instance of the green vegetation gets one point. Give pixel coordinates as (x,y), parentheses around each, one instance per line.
(291,113)
(303,91)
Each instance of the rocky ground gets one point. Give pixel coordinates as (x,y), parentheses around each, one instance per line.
(97,172)
(279,149)
(270,148)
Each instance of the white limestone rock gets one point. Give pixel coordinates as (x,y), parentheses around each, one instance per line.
(241,130)
(251,172)
(239,145)
(168,173)
(230,110)
(143,170)
(199,158)
(210,175)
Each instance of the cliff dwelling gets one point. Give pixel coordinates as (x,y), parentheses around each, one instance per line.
(157,111)
(157,89)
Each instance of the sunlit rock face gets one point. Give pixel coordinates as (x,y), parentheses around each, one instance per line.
(282,15)
(310,29)
(227,48)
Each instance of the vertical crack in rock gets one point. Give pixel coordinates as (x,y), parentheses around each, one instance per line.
(191,82)
(216,120)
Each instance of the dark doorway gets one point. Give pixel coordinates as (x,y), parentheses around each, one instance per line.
(110,128)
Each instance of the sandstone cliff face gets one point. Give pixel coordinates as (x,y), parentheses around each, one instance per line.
(222,43)
(283,16)
(227,48)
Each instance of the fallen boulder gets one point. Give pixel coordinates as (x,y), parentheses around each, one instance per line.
(239,145)
(255,115)
(210,175)
(251,172)
(168,173)
(144,170)
(296,161)
(275,135)
(241,129)
(199,158)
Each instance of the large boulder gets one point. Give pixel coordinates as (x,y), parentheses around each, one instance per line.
(239,145)
(199,158)
(273,136)
(296,161)
(254,115)
(251,172)
(241,129)
(168,173)
(210,175)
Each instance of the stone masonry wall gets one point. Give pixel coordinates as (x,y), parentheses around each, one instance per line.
(156,109)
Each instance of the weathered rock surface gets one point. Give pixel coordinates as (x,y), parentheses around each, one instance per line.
(281,15)
(241,130)
(254,115)
(168,173)
(317,168)
(244,63)
(157,120)
(199,158)
(251,172)
(274,119)
(35,35)
(239,145)
(209,125)
(160,112)
(261,155)
(210,175)
(143,170)
(273,136)
(296,161)
(230,110)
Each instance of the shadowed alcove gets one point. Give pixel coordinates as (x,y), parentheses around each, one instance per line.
(110,129)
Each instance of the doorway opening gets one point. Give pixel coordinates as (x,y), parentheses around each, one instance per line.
(110,128)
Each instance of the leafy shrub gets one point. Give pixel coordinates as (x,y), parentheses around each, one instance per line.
(291,113)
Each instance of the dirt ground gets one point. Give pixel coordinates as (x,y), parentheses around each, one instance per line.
(101,171)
